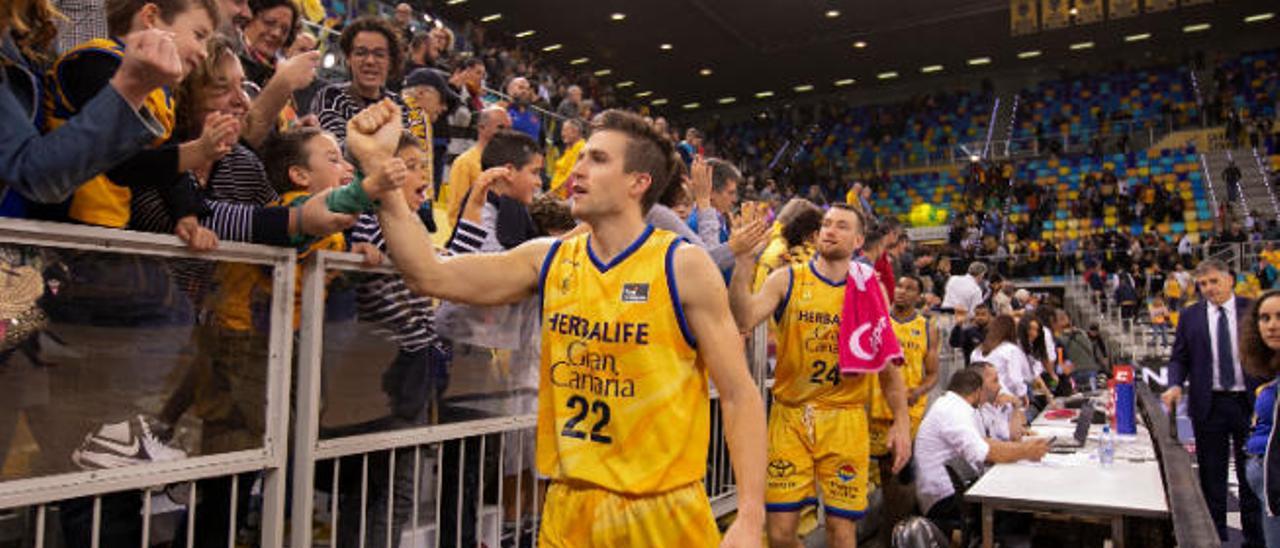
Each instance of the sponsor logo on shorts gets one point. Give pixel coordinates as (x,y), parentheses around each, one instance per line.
(781,468)
(846,472)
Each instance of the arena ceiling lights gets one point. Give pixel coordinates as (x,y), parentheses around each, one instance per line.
(844,82)
(1032,54)
(579,61)
(658,102)
(491,18)
(803,88)
(860,44)
(764,95)
(455,2)
(832,14)
(976,61)
(526,34)
(552,47)
(603,72)
(643,94)
(1196,28)
(624,84)
(931,69)
(727,100)
(1081,46)
(617,16)
(665,47)
(705,72)
(689,106)
(1260,17)
(887,75)
(1137,37)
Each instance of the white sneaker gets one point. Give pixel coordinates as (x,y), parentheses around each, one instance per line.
(124,443)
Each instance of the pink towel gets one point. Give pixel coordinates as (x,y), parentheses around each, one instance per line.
(867,342)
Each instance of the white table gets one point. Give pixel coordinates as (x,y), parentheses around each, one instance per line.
(1075,485)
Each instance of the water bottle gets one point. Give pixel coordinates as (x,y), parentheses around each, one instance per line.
(1107,447)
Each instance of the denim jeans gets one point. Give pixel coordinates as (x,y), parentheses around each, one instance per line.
(1270,524)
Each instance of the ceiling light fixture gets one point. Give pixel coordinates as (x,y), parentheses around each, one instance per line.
(618,16)
(525,34)
(1137,37)
(1196,28)
(624,84)
(1081,46)
(764,95)
(603,72)
(845,82)
(454,2)
(644,94)
(931,68)
(658,102)
(803,88)
(491,18)
(860,44)
(1260,17)
(1030,54)
(832,14)
(705,72)
(727,100)
(690,106)
(552,47)
(980,61)
(665,47)
(887,75)
(579,61)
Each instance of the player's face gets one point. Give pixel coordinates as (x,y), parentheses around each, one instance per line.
(906,294)
(839,235)
(601,185)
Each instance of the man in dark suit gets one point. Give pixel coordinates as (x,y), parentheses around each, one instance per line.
(1206,358)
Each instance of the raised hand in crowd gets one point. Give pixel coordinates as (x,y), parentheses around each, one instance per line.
(217,137)
(299,71)
(750,232)
(700,182)
(480,189)
(150,61)
(390,176)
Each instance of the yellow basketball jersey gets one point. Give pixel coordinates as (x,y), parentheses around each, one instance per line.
(914,335)
(623,400)
(100,201)
(808,369)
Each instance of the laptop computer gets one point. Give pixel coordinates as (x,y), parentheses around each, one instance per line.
(1081,435)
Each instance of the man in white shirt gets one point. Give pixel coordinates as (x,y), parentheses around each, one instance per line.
(965,292)
(952,428)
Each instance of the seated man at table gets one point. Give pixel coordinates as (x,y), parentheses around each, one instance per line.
(952,428)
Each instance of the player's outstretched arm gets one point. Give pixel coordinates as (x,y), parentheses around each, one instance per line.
(749,309)
(706,307)
(480,278)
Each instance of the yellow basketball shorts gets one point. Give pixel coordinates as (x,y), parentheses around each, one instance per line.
(812,448)
(578,515)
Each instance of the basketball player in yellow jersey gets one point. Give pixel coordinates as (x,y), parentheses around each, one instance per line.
(818,432)
(633,322)
(918,337)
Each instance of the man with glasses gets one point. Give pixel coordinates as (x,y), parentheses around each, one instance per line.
(372,50)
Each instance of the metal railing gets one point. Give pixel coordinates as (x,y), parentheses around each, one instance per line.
(115,324)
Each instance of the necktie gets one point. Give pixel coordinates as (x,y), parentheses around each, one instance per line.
(1226,364)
